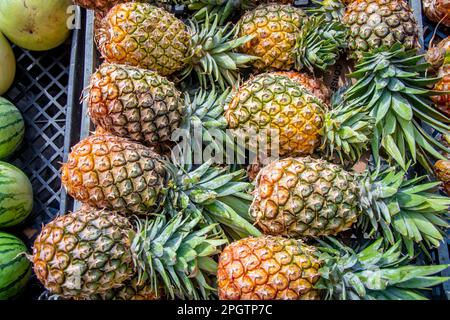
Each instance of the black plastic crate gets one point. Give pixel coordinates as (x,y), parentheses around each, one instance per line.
(46,90)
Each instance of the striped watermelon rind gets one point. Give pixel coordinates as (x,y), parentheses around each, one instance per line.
(12,128)
(15,268)
(16,195)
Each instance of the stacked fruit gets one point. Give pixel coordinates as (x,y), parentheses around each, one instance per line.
(152,226)
(34,25)
(16,202)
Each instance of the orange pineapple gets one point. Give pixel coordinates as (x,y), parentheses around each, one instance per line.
(275,268)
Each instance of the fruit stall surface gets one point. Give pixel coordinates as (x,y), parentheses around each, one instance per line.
(48,89)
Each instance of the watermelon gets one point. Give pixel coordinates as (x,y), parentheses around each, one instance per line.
(15,268)
(12,128)
(16,195)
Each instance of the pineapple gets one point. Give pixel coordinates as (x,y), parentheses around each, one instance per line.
(142,35)
(83,253)
(105,171)
(283,37)
(135,103)
(376,23)
(275,268)
(436,55)
(390,84)
(95,252)
(109,172)
(289,111)
(437,11)
(134,289)
(443,101)
(439,58)
(298,197)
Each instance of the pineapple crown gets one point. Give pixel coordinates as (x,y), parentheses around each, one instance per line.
(204,128)
(331,10)
(346,132)
(391,88)
(177,255)
(373,273)
(204,9)
(319,43)
(403,210)
(216,194)
(213,58)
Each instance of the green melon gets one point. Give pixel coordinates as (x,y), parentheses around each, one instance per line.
(15,268)
(36,24)
(8,65)
(12,128)
(16,195)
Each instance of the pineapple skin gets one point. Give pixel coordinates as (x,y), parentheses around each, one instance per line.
(316,86)
(142,35)
(374,23)
(272,102)
(131,290)
(437,11)
(305,197)
(274,28)
(439,57)
(442,170)
(84,253)
(109,172)
(443,101)
(134,103)
(268,268)
(436,54)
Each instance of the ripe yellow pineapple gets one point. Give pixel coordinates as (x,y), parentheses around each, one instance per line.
(268,268)
(97,254)
(86,252)
(274,29)
(299,197)
(270,101)
(275,268)
(376,23)
(105,171)
(277,105)
(135,103)
(306,197)
(283,37)
(166,39)
(143,35)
